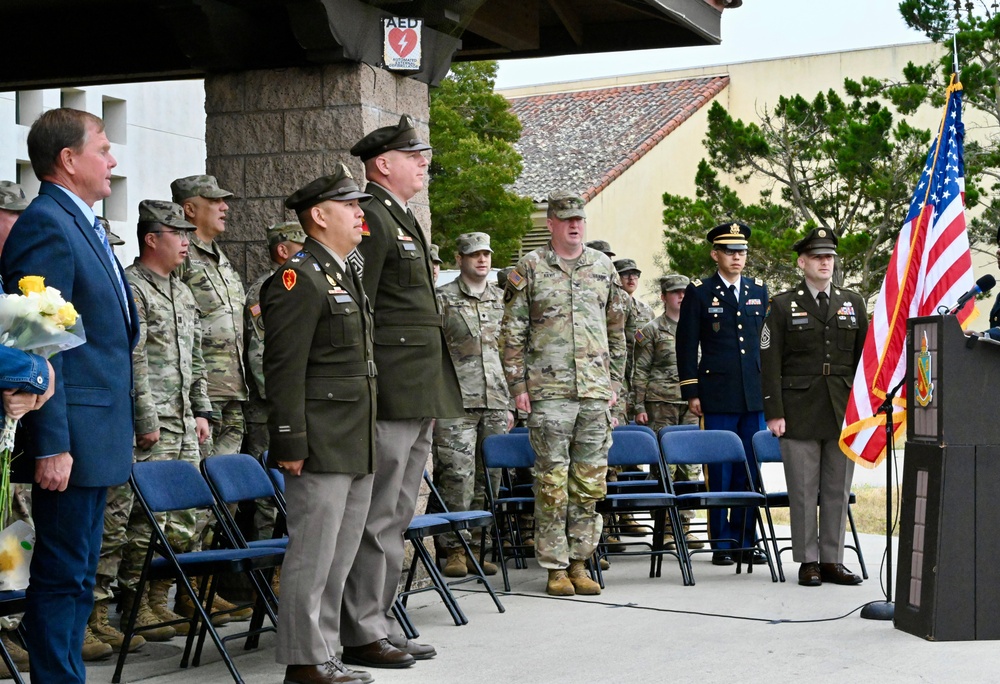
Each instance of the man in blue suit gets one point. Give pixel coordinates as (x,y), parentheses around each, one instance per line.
(722,315)
(80,441)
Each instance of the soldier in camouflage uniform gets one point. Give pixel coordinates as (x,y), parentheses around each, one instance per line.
(655,382)
(639,314)
(283,240)
(170,384)
(472,308)
(436,262)
(218,291)
(564,356)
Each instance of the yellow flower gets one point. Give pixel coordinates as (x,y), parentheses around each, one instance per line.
(66,315)
(29,284)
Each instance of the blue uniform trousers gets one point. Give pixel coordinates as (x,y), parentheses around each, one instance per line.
(736,523)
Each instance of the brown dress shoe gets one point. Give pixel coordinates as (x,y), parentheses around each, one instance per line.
(379,653)
(838,574)
(360,675)
(324,673)
(418,651)
(809,575)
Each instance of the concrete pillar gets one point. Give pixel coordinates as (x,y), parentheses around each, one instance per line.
(270,132)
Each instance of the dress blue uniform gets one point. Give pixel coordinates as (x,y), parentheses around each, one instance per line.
(726,378)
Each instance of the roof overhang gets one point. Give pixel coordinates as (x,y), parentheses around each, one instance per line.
(78,42)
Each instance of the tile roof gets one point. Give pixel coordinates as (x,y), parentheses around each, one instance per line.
(584,140)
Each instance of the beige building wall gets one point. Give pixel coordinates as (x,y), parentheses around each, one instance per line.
(629,212)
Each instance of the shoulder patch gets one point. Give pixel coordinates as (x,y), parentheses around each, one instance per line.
(288,278)
(255,310)
(516,279)
(639,337)
(365,230)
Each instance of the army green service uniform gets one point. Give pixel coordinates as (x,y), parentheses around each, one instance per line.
(564,344)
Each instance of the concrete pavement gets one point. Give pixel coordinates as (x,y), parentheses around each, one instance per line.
(723,629)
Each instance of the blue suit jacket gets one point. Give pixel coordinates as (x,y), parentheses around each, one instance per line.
(91,414)
(727,377)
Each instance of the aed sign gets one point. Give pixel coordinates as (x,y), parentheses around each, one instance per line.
(401,41)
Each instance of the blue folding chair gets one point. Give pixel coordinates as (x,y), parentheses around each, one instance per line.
(688,447)
(639,448)
(767,449)
(165,486)
(509,451)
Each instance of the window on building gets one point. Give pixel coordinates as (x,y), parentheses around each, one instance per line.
(29,106)
(116,205)
(73,98)
(115,121)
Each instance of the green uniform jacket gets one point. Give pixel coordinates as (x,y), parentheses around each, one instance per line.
(416,376)
(656,377)
(318,366)
(807,365)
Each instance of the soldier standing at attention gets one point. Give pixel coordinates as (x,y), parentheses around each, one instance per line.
(436,262)
(564,355)
(639,314)
(283,240)
(472,308)
(722,316)
(171,418)
(810,347)
(655,384)
(218,290)
(416,382)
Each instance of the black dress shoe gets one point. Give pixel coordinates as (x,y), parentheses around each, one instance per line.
(379,653)
(418,651)
(753,557)
(809,575)
(324,673)
(722,558)
(838,574)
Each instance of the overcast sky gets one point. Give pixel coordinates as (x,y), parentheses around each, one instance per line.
(760,29)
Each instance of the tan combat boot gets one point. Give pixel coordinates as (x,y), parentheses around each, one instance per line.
(145,618)
(17,654)
(276,582)
(106,633)
(580,578)
(692,541)
(157,597)
(488,567)
(184,607)
(94,648)
(455,565)
(559,584)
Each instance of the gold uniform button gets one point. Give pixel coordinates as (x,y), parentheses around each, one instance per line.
(743,351)
(330,395)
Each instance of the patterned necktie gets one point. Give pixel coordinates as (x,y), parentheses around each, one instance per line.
(102,235)
(823,300)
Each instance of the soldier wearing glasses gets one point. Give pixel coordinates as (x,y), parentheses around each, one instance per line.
(722,316)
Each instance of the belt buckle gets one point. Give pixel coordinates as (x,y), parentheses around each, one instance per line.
(826,369)
(371,369)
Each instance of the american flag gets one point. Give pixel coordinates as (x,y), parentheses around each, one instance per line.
(930,266)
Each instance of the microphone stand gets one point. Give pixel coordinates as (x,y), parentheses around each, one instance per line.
(883,610)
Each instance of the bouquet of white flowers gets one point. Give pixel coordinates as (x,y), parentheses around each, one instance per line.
(40,321)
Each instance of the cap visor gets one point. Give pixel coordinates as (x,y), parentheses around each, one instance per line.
(347,197)
(216,194)
(571,213)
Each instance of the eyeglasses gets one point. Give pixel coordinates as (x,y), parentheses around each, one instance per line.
(732,252)
(170,232)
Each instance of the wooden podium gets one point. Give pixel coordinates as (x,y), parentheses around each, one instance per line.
(948,581)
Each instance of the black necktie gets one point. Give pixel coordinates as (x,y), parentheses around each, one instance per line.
(823,300)
(732,291)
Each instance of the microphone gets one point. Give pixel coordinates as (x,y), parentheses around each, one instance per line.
(984,284)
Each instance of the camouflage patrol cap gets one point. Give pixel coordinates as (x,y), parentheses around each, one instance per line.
(286,231)
(626,265)
(339,186)
(197,186)
(817,241)
(403,137)
(601,246)
(467,243)
(114,239)
(732,235)
(164,213)
(436,254)
(502,275)
(669,283)
(12,197)
(564,204)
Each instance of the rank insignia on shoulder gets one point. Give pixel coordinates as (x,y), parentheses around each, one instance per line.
(516,279)
(696,282)
(288,278)
(758,281)
(255,310)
